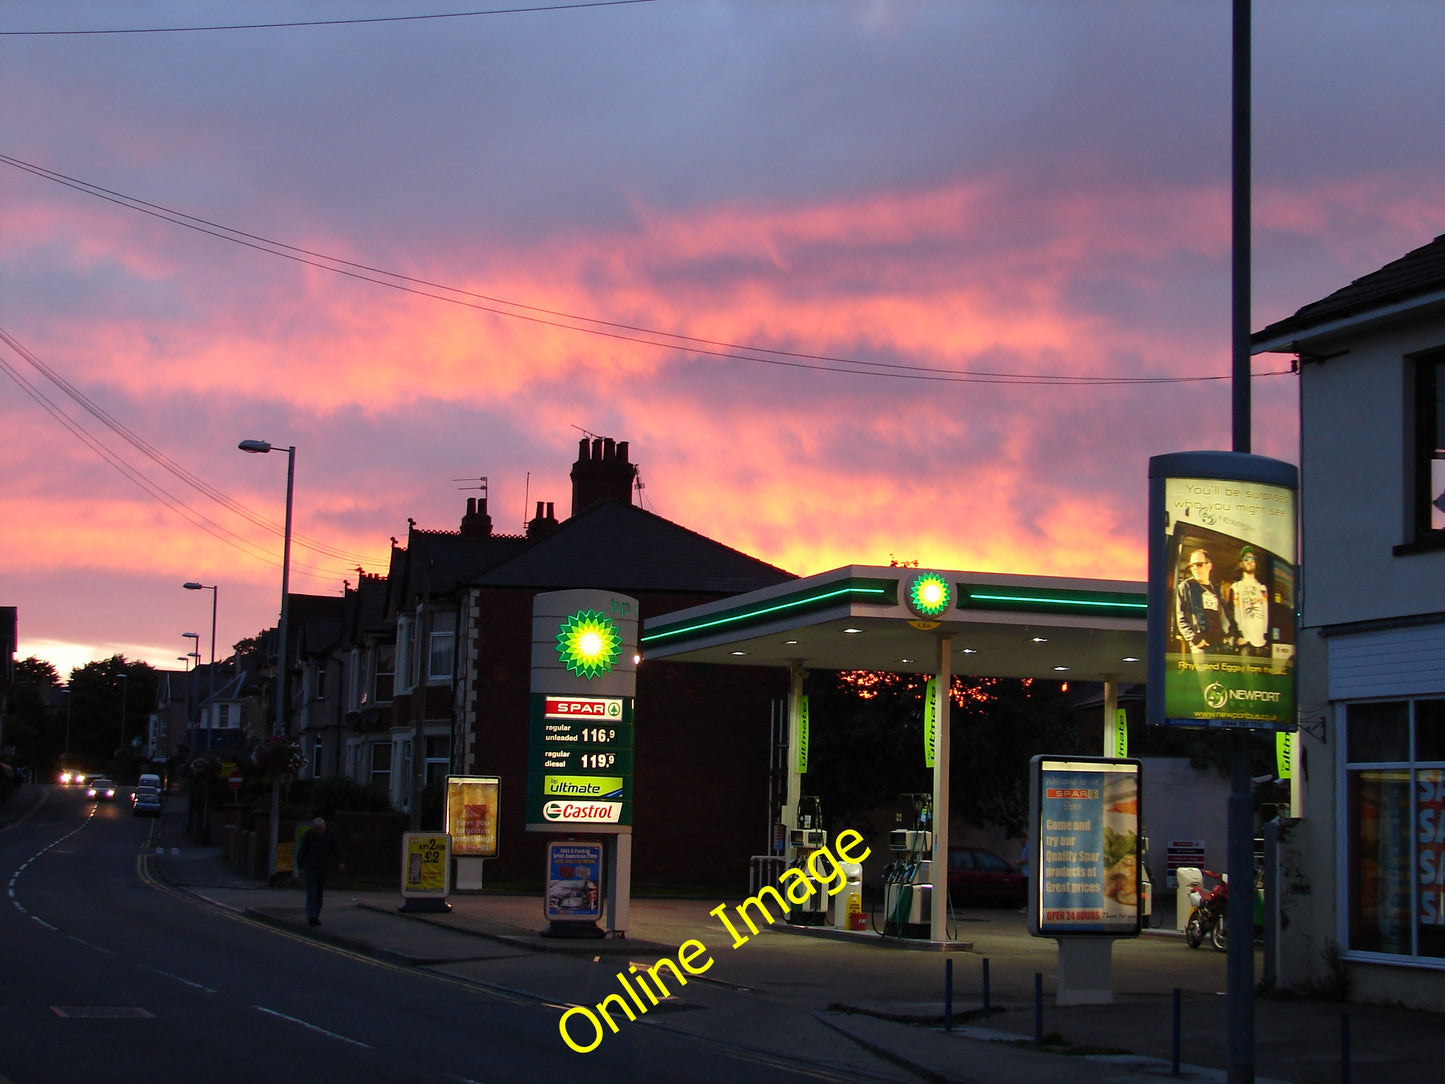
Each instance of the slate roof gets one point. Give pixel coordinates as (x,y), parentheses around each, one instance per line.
(453,559)
(317,623)
(625,548)
(1415,279)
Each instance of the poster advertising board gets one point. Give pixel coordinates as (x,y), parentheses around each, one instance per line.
(1223,555)
(1085,816)
(426,865)
(574,881)
(471,815)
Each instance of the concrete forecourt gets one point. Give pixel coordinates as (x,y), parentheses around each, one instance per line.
(824,872)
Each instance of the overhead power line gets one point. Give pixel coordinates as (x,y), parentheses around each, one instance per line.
(165,462)
(589,325)
(320,22)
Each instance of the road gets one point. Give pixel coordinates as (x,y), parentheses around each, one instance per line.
(110,975)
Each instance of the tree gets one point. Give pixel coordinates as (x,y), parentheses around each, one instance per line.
(32,710)
(37,673)
(867,744)
(108,712)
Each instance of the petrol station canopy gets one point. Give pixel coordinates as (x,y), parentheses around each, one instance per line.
(863,617)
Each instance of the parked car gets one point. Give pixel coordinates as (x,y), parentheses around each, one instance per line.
(101,789)
(980,878)
(146,802)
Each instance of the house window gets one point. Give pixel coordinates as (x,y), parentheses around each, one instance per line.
(1395,806)
(443,641)
(385,678)
(381,765)
(1429,451)
(320,681)
(438,757)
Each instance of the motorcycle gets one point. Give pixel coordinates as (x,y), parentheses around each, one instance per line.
(1207,917)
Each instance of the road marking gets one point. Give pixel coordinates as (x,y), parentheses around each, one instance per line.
(177,978)
(310,1027)
(87,944)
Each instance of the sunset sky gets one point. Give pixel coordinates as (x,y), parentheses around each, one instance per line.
(891,279)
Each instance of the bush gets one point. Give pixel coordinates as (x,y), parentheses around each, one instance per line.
(338,792)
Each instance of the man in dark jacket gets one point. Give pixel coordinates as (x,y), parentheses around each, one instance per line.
(318,848)
(1205,623)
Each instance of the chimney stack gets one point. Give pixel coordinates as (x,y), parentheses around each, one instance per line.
(476,523)
(543,523)
(601,473)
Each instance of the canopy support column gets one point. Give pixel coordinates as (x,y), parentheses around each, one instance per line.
(938,923)
(796,673)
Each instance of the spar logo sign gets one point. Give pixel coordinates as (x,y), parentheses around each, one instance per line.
(582,812)
(582,707)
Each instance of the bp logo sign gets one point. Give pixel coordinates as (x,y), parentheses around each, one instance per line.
(588,643)
(929,594)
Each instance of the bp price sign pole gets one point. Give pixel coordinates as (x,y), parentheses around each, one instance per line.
(580,749)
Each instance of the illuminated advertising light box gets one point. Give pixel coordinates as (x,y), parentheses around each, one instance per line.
(426,865)
(1223,556)
(1085,846)
(574,881)
(471,815)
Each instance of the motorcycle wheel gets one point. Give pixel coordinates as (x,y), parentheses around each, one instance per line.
(1219,937)
(1194,929)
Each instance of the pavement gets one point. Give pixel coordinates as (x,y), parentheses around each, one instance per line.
(855,1005)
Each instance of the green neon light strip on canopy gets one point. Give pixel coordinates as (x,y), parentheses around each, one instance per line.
(875,590)
(1103,601)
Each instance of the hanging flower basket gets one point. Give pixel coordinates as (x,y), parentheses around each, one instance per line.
(279,756)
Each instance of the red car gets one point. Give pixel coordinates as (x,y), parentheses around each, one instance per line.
(980,878)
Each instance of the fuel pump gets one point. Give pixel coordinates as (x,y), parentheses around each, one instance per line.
(807,837)
(908,879)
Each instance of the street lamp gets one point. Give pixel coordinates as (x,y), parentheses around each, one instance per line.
(215,595)
(195,658)
(263,446)
(123,676)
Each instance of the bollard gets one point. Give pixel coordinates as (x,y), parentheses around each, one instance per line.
(948,994)
(1344,1048)
(1038,1008)
(1174,1061)
(985,986)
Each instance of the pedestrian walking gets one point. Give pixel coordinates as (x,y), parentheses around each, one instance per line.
(319,847)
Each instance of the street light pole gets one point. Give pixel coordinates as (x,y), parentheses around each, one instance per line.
(215,590)
(125,687)
(279,728)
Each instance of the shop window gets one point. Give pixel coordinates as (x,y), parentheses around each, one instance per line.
(1395,794)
